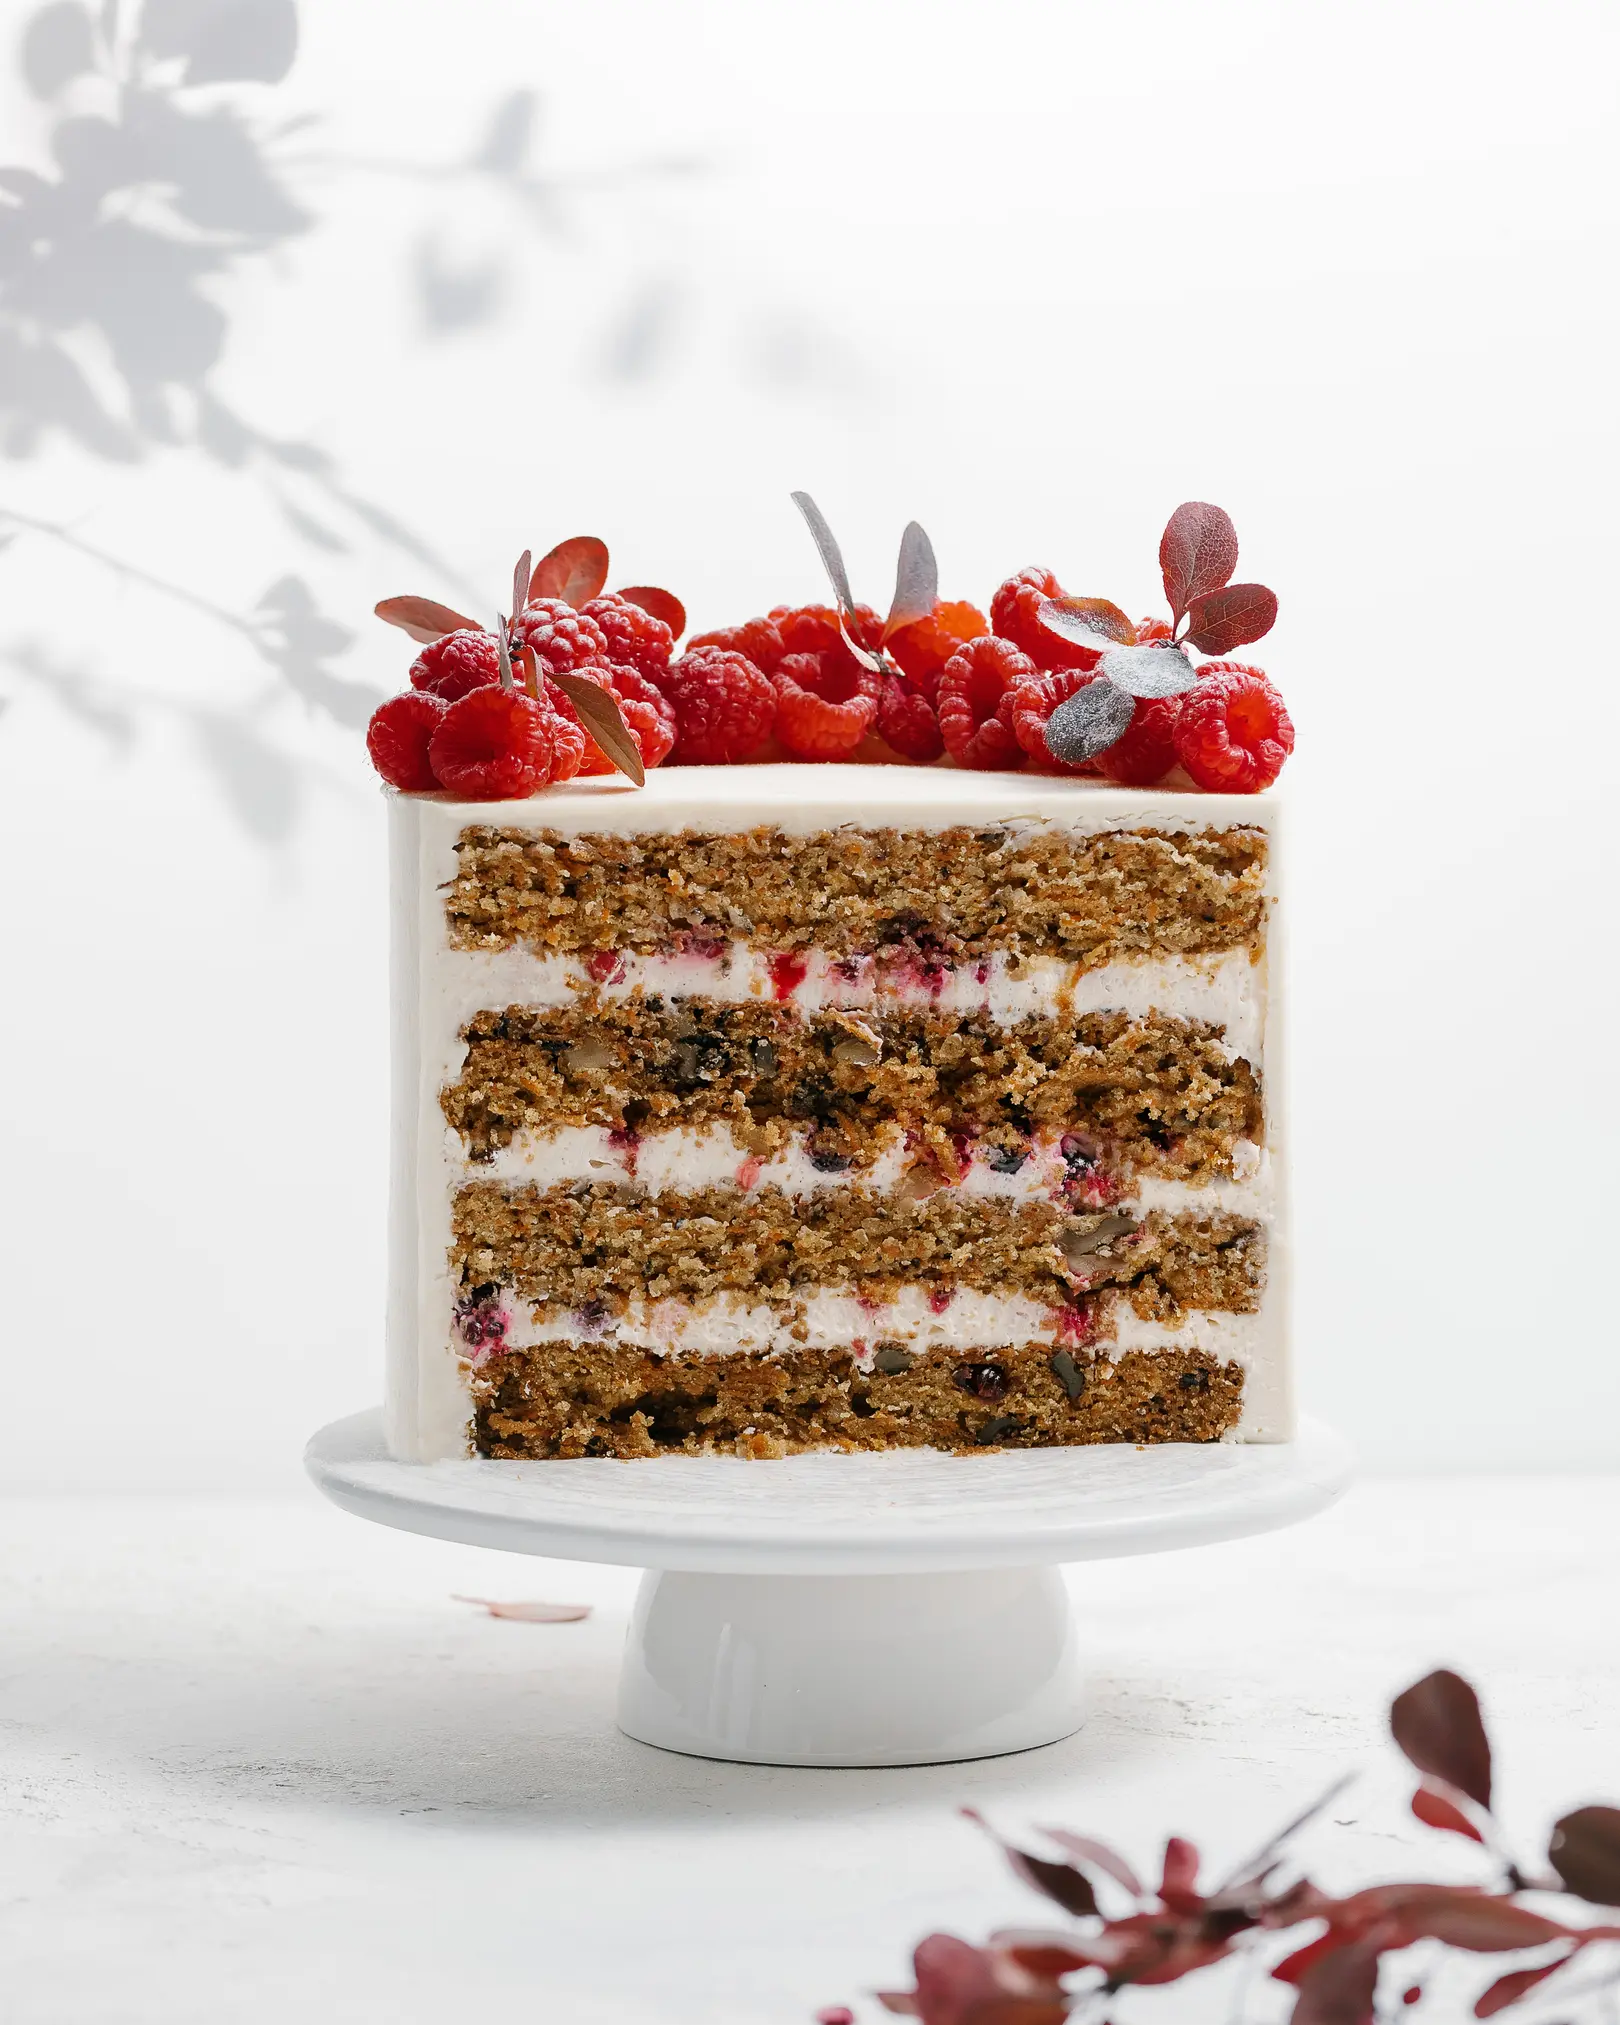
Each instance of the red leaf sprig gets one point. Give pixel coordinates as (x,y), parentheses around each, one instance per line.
(575,571)
(1198,552)
(1030,1976)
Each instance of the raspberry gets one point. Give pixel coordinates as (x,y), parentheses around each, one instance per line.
(455,663)
(634,637)
(971,688)
(824,706)
(724,707)
(397,739)
(921,650)
(1148,750)
(906,722)
(1234,732)
(562,637)
(1029,703)
(1012,614)
(814,629)
(568,735)
(757,640)
(1148,631)
(648,715)
(494,745)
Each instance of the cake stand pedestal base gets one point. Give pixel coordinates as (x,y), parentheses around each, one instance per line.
(851,1669)
(901,1608)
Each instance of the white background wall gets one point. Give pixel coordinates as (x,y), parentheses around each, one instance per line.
(463,279)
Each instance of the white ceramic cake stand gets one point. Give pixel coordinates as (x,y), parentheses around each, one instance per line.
(892,1609)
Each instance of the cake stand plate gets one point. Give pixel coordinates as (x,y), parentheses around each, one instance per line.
(901,1608)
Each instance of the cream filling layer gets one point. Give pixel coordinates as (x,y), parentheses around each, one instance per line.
(837,1318)
(1227,990)
(687,1158)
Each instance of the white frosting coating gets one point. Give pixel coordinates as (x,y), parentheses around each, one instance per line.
(435,988)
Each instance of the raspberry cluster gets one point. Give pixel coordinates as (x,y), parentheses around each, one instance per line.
(808,683)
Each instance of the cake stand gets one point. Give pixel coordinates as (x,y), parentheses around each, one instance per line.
(902,1608)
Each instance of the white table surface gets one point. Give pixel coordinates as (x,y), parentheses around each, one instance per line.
(255,1764)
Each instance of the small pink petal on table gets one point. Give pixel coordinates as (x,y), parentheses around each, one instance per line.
(529,1613)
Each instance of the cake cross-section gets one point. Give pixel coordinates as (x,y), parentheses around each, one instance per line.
(757,1111)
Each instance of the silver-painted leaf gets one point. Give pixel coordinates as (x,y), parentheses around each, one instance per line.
(1057,617)
(1149,671)
(916,581)
(520,581)
(1089,722)
(832,560)
(503,650)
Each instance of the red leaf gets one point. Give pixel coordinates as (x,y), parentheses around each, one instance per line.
(599,712)
(1198,552)
(1042,1953)
(662,604)
(1070,1888)
(575,571)
(1510,1988)
(1231,618)
(1435,1810)
(1180,1874)
(425,619)
(1585,1852)
(962,1985)
(530,1613)
(1292,1968)
(1437,1724)
(1479,1922)
(1087,1849)
(1339,1989)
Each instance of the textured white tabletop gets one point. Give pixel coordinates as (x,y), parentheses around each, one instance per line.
(255,1763)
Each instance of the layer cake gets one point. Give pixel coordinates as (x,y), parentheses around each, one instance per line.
(766,1108)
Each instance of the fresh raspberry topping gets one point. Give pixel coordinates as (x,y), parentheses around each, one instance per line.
(1149,632)
(814,629)
(457,662)
(647,712)
(824,705)
(494,745)
(1030,702)
(921,651)
(971,687)
(806,629)
(567,733)
(1012,614)
(724,707)
(757,640)
(1234,732)
(634,637)
(397,739)
(1148,750)
(562,637)
(906,722)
